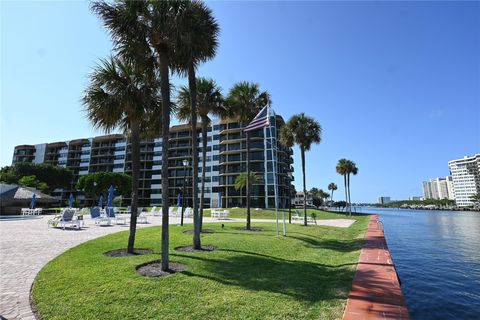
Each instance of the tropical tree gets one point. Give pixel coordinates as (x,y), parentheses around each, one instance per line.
(98,183)
(198,36)
(242,180)
(123,95)
(342,169)
(303,131)
(345,168)
(138,27)
(244,102)
(332,187)
(209,102)
(352,169)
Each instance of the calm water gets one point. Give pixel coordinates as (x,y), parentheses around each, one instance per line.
(437,255)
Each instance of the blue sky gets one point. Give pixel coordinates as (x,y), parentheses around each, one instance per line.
(395,85)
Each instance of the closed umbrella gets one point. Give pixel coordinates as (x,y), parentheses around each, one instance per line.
(33,202)
(100,201)
(111,192)
(70,201)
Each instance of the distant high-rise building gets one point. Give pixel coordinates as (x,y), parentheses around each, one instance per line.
(465,179)
(384,200)
(438,188)
(415,198)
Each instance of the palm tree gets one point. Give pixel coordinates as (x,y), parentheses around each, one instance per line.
(342,169)
(122,95)
(209,102)
(244,101)
(303,131)
(151,25)
(352,169)
(332,186)
(198,43)
(241,180)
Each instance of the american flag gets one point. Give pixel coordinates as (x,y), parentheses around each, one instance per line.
(261,120)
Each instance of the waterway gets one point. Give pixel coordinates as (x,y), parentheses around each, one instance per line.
(437,256)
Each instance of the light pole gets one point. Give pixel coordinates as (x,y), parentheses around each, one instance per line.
(290,176)
(185,164)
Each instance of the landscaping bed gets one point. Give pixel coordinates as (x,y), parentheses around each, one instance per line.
(250,275)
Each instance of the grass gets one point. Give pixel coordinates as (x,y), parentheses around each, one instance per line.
(252,275)
(270,213)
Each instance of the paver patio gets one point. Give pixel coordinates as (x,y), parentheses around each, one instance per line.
(27,245)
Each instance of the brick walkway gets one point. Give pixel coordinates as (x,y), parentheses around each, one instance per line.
(27,245)
(376,292)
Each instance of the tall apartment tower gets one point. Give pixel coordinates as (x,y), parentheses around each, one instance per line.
(465,179)
(438,188)
(225,160)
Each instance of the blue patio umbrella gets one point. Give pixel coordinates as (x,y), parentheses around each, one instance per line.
(33,202)
(100,201)
(70,201)
(111,191)
(179,200)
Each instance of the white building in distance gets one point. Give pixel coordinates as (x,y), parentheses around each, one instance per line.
(438,188)
(465,179)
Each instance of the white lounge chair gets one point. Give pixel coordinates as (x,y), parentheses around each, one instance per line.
(67,218)
(97,217)
(170,211)
(179,212)
(118,219)
(188,212)
(141,217)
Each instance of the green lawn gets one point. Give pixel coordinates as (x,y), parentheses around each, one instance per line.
(252,275)
(270,213)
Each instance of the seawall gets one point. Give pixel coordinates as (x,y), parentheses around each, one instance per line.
(376,292)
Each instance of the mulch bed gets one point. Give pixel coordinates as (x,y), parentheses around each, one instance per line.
(252,229)
(190,249)
(124,253)
(154,269)
(204,231)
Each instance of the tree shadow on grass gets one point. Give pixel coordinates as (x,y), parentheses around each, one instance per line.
(330,244)
(303,281)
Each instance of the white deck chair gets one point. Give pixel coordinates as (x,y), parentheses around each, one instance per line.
(67,218)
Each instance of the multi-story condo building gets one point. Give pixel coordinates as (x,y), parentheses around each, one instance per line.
(300,199)
(466,179)
(438,188)
(225,160)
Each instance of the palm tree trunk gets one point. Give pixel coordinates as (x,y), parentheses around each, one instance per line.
(204,165)
(302,151)
(193,117)
(165,91)
(331,197)
(346,191)
(248,182)
(135,131)
(349,199)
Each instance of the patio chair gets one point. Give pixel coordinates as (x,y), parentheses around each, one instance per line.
(141,217)
(179,212)
(170,211)
(297,215)
(97,217)
(37,211)
(67,218)
(188,212)
(111,214)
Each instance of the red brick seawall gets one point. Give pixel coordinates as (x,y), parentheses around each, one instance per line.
(376,291)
